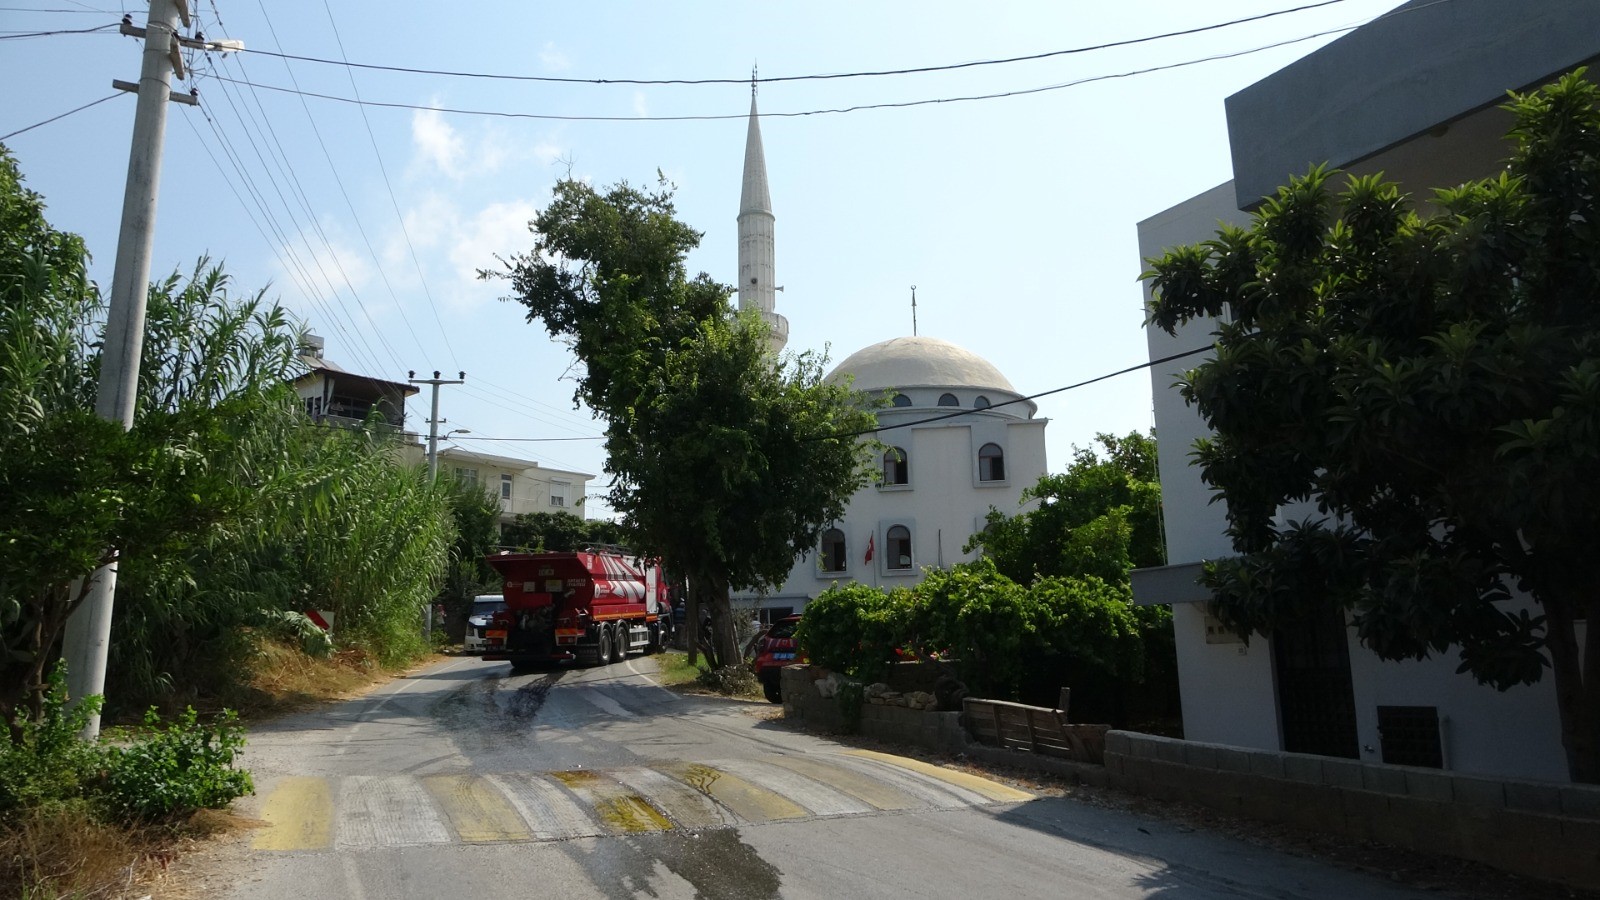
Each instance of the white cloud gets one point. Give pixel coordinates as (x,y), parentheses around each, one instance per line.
(499,228)
(552,58)
(438,143)
(640,108)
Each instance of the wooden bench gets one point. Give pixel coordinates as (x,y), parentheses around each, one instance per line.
(1033,729)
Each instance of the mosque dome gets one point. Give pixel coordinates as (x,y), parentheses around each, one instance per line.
(908,362)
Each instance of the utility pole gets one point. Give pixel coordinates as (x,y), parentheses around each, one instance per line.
(88,633)
(433,460)
(434,421)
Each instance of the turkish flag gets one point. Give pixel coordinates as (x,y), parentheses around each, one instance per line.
(869,548)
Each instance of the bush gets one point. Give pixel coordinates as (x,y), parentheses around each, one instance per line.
(49,764)
(160,773)
(178,769)
(855,629)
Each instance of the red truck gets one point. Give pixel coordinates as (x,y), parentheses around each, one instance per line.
(590,606)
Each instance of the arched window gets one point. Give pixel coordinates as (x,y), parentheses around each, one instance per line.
(896,469)
(991,463)
(948,400)
(899,541)
(833,551)
(981,402)
(901,400)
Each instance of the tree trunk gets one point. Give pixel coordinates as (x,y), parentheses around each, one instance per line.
(691,620)
(1577,681)
(723,640)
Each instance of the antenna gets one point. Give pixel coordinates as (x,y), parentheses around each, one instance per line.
(913,310)
(753,68)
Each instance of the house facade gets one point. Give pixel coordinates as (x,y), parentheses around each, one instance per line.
(518,485)
(1414,95)
(333,396)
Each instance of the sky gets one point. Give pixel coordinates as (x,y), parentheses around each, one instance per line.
(1014,216)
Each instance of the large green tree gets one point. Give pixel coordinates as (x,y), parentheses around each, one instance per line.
(1100,517)
(1429,377)
(727,462)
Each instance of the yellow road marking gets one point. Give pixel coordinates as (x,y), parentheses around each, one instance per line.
(618,808)
(300,815)
(993,790)
(476,809)
(859,786)
(751,803)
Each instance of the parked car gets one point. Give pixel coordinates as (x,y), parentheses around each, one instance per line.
(484,606)
(775,649)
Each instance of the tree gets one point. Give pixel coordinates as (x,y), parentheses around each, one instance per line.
(1100,517)
(555,532)
(1431,383)
(727,462)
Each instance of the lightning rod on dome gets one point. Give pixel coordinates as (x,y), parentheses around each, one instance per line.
(913,310)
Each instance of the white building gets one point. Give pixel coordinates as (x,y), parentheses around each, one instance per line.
(519,485)
(1414,95)
(962,439)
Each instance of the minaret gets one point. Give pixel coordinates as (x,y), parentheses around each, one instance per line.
(757,289)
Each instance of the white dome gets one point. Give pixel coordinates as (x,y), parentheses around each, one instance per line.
(907,362)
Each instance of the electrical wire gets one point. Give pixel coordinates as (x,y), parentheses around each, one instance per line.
(19,35)
(264,125)
(919,70)
(399,216)
(6,137)
(969,412)
(903,104)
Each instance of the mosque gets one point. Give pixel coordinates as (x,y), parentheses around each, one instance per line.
(961,438)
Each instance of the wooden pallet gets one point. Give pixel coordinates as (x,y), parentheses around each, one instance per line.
(1033,729)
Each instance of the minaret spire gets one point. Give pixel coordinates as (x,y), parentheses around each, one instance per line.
(757,285)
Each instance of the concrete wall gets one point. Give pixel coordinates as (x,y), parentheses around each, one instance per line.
(1398,78)
(1542,830)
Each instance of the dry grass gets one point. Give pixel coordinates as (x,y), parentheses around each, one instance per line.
(284,679)
(63,852)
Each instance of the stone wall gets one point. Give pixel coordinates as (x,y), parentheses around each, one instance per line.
(803,702)
(1540,829)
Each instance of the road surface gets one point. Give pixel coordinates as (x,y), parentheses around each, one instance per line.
(464,781)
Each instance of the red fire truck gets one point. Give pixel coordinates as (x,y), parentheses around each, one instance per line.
(591,606)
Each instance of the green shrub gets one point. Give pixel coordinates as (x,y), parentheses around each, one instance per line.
(50,764)
(185,766)
(855,629)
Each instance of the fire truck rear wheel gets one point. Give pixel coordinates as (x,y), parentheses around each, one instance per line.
(619,642)
(603,646)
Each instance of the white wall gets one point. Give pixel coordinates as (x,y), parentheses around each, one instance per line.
(943,504)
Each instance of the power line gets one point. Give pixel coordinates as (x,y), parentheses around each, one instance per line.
(968,412)
(399,216)
(903,104)
(919,70)
(6,137)
(20,35)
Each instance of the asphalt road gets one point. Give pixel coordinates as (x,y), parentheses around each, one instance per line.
(464,781)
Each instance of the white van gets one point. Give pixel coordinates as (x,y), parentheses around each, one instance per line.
(483,606)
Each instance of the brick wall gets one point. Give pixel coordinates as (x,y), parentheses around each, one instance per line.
(1543,830)
(933,730)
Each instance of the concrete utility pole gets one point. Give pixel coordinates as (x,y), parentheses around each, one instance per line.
(88,633)
(434,421)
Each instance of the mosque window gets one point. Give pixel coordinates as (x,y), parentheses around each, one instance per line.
(948,400)
(901,400)
(991,463)
(899,541)
(896,468)
(833,551)
(981,403)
